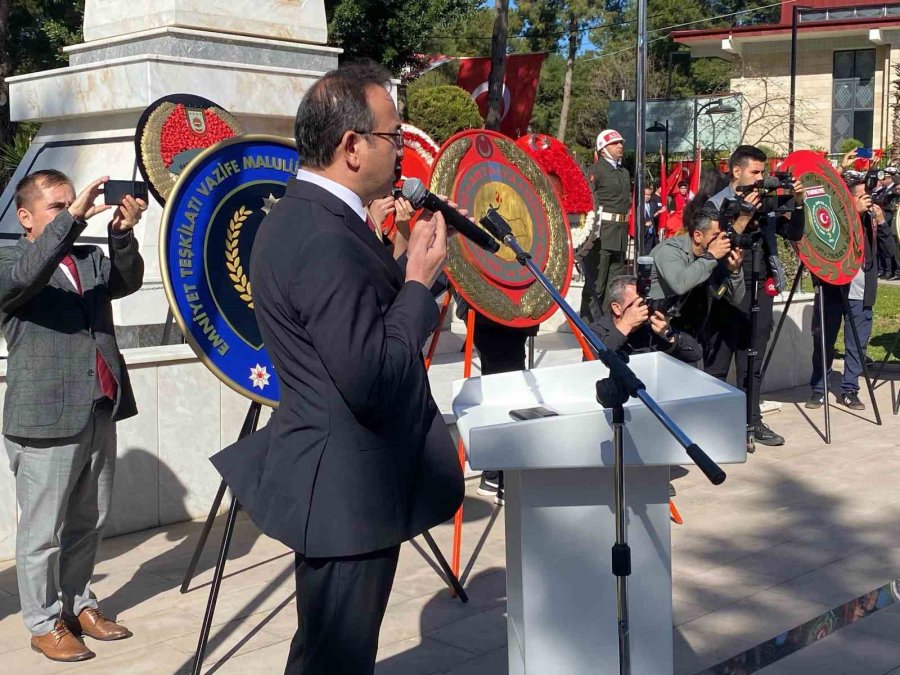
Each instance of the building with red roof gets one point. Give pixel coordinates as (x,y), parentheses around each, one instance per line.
(847,54)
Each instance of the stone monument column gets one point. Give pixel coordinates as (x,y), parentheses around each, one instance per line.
(255,58)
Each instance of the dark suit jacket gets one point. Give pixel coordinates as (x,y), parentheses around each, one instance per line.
(53,333)
(357,457)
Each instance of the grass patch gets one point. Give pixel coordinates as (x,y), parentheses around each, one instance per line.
(885,324)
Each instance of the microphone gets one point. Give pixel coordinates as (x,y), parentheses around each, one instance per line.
(414,190)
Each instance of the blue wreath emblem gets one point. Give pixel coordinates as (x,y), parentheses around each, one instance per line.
(206,239)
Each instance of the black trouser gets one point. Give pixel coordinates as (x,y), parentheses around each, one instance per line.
(603,266)
(887,251)
(853,357)
(727,335)
(502,350)
(340,605)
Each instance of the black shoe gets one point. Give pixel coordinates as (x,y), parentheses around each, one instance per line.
(763,434)
(851,400)
(815,401)
(488,486)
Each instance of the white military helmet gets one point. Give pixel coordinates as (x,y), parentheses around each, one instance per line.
(608,136)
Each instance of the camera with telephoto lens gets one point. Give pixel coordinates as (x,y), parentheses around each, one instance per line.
(767,188)
(644,273)
(730,211)
(871,179)
(886,198)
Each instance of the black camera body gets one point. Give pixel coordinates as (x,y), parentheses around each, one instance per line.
(887,199)
(644,272)
(872,178)
(731,210)
(767,188)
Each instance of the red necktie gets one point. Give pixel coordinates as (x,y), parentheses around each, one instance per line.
(104,375)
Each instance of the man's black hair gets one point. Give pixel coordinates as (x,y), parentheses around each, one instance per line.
(744,154)
(335,104)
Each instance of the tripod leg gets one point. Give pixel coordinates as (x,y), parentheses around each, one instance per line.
(887,355)
(896,401)
(781,320)
(848,319)
(214,588)
(167,328)
(250,422)
(449,576)
(437,331)
(204,535)
(821,300)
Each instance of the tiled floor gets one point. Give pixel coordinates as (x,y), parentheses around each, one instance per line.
(793,533)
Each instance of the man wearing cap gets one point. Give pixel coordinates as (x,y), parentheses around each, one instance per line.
(611,184)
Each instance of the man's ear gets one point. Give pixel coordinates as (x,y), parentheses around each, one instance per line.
(349,148)
(24,216)
(616,309)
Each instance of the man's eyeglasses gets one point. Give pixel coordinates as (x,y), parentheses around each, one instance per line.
(396,137)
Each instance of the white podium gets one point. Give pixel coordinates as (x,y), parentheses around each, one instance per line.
(560,519)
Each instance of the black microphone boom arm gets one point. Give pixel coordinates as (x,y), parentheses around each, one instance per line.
(494,223)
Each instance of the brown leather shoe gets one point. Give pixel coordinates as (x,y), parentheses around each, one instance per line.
(93,624)
(60,645)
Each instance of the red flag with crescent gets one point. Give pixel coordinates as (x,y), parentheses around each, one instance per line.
(523,72)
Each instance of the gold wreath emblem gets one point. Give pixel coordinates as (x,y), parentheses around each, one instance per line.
(233,258)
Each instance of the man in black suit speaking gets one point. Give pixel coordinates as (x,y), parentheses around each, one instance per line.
(357,458)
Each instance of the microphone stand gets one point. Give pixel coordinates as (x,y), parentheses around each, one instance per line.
(612,392)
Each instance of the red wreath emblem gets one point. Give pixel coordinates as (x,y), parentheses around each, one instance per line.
(554,159)
(178,136)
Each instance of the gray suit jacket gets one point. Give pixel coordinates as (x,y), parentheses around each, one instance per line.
(53,333)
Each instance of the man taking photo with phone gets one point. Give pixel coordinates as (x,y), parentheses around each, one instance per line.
(67,386)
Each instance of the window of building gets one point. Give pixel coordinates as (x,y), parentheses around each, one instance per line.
(853,97)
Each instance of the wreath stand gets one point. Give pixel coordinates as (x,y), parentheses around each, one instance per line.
(820,300)
(895,398)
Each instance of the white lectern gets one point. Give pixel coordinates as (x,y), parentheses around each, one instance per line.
(561,593)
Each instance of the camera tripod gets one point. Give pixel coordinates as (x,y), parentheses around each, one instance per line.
(755,263)
(820,301)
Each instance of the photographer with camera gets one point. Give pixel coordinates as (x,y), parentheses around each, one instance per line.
(760,213)
(695,268)
(885,196)
(861,299)
(630,327)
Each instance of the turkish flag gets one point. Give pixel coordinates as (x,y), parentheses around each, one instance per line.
(523,72)
(663,193)
(695,174)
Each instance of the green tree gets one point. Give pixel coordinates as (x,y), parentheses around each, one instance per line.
(32,36)
(470,34)
(442,111)
(392,32)
(552,24)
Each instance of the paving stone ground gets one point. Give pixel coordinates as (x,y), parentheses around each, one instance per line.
(794,532)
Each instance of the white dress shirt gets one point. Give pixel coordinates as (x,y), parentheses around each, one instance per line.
(345,194)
